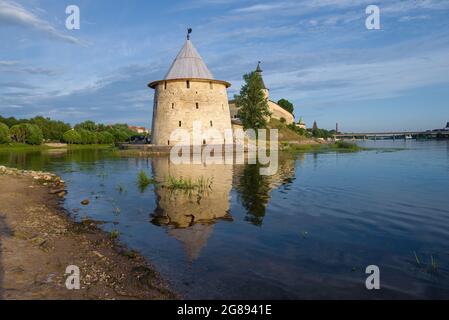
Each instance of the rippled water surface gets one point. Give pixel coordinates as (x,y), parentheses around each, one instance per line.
(307,232)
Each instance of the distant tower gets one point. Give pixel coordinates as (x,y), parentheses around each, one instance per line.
(447,125)
(336,127)
(264,88)
(189,93)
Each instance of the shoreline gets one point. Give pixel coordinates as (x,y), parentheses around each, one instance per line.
(38,240)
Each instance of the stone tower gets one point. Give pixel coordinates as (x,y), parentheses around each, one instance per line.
(264,87)
(189,93)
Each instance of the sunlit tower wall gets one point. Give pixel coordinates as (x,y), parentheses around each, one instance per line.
(189,93)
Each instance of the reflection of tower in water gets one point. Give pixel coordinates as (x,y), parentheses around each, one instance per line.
(189,215)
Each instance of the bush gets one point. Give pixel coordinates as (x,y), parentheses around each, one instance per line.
(87,137)
(34,134)
(105,138)
(18,133)
(27,133)
(72,137)
(4,133)
(120,135)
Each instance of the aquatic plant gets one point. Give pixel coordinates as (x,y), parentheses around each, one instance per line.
(120,188)
(201,184)
(347,146)
(418,262)
(143,181)
(114,234)
(179,183)
(433,263)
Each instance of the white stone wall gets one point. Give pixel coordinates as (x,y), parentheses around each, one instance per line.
(176,107)
(277,112)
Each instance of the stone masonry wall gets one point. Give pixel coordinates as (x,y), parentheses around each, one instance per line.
(176,107)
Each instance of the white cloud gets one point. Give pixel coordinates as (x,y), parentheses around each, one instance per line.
(362,81)
(13,13)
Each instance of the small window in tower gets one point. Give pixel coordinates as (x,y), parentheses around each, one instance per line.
(165,85)
(168,142)
(204,141)
(180,124)
(188,84)
(222,106)
(211,124)
(197,105)
(211,85)
(173,105)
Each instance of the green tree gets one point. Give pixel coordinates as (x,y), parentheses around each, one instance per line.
(105,137)
(72,137)
(26,133)
(18,133)
(51,129)
(87,137)
(286,105)
(34,134)
(88,125)
(252,104)
(4,133)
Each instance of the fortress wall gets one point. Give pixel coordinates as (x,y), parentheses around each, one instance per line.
(175,102)
(277,112)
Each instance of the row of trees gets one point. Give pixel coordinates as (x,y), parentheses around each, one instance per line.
(22,133)
(34,131)
(321,133)
(52,130)
(89,132)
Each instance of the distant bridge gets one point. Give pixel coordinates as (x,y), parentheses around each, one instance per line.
(394,135)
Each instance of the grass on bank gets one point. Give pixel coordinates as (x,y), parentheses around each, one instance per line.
(16,147)
(10,147)
(341,146)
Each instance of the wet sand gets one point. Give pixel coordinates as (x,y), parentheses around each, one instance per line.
(38,241)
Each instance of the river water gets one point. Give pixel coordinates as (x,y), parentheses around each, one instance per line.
(307,232)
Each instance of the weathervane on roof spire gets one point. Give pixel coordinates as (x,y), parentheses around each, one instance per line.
(189,31)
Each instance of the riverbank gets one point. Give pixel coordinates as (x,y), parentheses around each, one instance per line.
(19,147)
(38,241)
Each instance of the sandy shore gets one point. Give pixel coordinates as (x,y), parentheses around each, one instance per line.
(38,241)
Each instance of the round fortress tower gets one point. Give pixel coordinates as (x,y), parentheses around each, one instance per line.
(189,93)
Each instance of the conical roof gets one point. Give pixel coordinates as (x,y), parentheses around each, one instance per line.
(188,64)
(259,72)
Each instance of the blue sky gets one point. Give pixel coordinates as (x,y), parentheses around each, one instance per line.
(317,54)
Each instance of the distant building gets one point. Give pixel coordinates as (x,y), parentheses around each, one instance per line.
(277,112)
(141,130)
(447,125)
(301,124)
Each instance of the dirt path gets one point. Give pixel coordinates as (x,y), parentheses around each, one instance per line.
(38,241)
